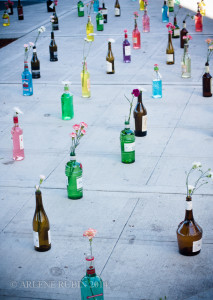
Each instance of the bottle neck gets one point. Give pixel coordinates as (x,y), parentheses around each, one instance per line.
(39,204)
(206,68)
(186,46)
(25,65)
(136,25)
(15,121)
(189,213)
(184,25)
(140,98)
(109,46)
(72,156)
(19,2)
(90,266)
(52,35)
(125,36)
(169,38)
(175,21)
(89,19)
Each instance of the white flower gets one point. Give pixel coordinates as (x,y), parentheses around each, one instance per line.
(111,40)
(191,188)
(37,187)
(42,177)
(196,164)
(17,110)
(65,82)
(31,44)
(43,28)
(141,89)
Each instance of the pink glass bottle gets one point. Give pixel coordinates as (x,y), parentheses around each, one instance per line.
(145,21)
(136,37)
(17,136)
(198,21)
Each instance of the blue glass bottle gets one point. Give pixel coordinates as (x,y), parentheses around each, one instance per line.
(27,82)
(165,13)
(96,6)
(156,83)
(91,284)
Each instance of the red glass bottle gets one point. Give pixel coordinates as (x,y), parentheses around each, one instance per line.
(136,37)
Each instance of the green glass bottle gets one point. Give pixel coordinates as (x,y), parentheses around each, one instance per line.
(127,139)
(100,22)
(85,81)
(80,9)
(90,29)
(73,171)
(67,103)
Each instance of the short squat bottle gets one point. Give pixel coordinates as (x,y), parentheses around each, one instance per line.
(100,21)
(183,33)
(55,25)
(20,11)
(73,171)
(53,49)
(207,82)
(80,6)
(165,13)
(110,60)
(90,29)
(126,49)
(170,52)
(127,140)
(146,21)
(41,226)
(140,115)
(189,233)
(17,136)
(67,104)
(27,82)
(176,30)
(85,81)
(156,83)
(186,63)
(6,19)
(35,65)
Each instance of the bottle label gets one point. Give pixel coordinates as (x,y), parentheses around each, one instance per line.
(188,205)
(25,85)
(135,40)
(55,26)
(117,11)
(55,54)
(36,239)
(129,147)
(90,297)
(197,246)
(127,51)
(170,57)
(170,3)
(184,68)
(144,123)
(88,84)
(109,66)
(101,22)
(5,20)
(21,142)
(81,8)
(103,11)
(79,183)
(36,72)
(20,12)
(49,237)
(176,32)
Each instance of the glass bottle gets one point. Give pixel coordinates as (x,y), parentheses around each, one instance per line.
(104,12)
(146,21)
(41,226)
(50,7)
(126,48)
(53,49)
(186,63)
(91,284)
(67,104)
(55,25)
(85,82)
(117,9)
(73,171)
(136,37)
(127,140)
(90,29)
(171,5)
(96,6)
(176,30)
(189,233)
(20,11)
(170,53)
(110,60)
(140,115)
(27,82)
(198,21)
(10,7)
(17,136)
(80,9)
(6,19)
(156,83)
(183,33)
(100,22)
(35,65)
(141,4)
(165,13)
(207,82)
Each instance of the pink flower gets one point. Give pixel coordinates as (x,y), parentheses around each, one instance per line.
(170,31)
(211,47)
(184,37)
(155,65)
(31,44)
(189,37)
(136,92)
(76,127)
(73,135)
(136,14)
(208,41)
(83,125)
(90,233)
(125,30)
(26,45)
(83,132)
(169,25)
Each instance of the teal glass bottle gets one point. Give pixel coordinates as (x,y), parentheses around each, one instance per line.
(91,284)
(27,82)
(67,104)
(80,9)
(156,83)
(165,13)
(73,171)
(127,139)
(96,6)
(100,22)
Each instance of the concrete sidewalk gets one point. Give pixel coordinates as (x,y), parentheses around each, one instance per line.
(135,208)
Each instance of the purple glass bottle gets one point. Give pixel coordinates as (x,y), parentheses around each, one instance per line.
(126,49)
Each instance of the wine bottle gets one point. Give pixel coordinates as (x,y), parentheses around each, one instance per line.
(126,48)
(104,12)
(17,136)
(6,19)
(20,11)
(10,7)
(165,13)
(127,140)
(110,60)
(91,284)
(53,49)
(186,63)
(176,30)
(50,6)
(35,65)
(55,25)
(73,171)
(136,37)
(189,233)
(183,33)
(85,81)
(117,9)
(140,115)
(89,29)
(41,226)
(171,5)
(27,82)
(96,6)
(207,82)
(156,83)
(100,21)
(198,21)
(146,21)
(170,53)
(67,103)
(80,9)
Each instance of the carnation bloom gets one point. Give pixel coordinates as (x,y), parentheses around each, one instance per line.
(136,92)
(31,44)
(76,127)
(208,41)
(170,31)
(42,177)
(90,233)
(83,124)
(83,132)
(73,134)
(211,47)
(26,45)
(155,65)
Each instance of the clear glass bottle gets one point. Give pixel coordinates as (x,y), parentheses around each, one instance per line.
(96,6)
(50,7)
(170,52)
(136,37)
(127,140)
(186,63)
(20,11)
(41,226)
(91,284)
(6,19)
(156,83)
(27,82)
(73,171)
(85,82)
(53,49)
(140,115)
(80,6)
(55,25)
(141,4)
(171,5)
(104,12)
(189,233)
(67,103)
(126,49)
(100,22)
(176,30)
(207,82)
(146,21)
(165,13)
(35,65)
(90,29)
(198,21)
(17,136)
(183,33)
(110,60)
(117,9)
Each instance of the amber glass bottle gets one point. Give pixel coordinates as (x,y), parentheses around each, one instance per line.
(140,115)
(170,53)
(110,60)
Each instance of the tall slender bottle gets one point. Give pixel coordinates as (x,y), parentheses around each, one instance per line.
(96,6)
(91,284)
(85,81)
(17,136)
(127,140)
(110,60)
(117,9)
(35,65)
(100,21)
(156,83)
(6,19)
(189,233)
(20,11)
(126,49)
(55,25)
(165,13)
(53,49)
(170,53)
(50,6)
(67,103)
(186,63)
(141,4)
(140,115)
(136,36)
(171,5)
(27,82)
(80,6)
(41,226)
(103,10)
(207,82)
(89,29)
(183,33)
(198,21)
(146,21)
(176,30)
